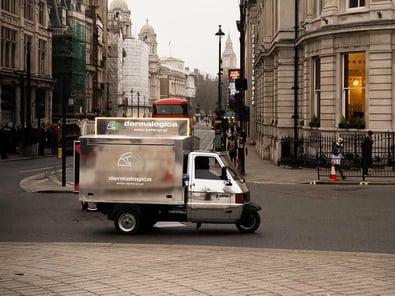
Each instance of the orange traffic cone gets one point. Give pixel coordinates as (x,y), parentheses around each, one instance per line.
(332,176)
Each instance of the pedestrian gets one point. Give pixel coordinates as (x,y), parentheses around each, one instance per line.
(232,148)
(338,155)
(3,142)
(41,140)
(366,147)
(242,151)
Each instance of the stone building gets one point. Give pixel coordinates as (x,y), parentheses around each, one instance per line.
(79,30)
(229,59)
(229,62)
(135,77)
(26,64)
(139,76)
(119,28)
(148,36)
(313,66)
(129,85)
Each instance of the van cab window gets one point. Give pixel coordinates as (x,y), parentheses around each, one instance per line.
(207,168)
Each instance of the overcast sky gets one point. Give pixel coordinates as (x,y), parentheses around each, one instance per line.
(186,29)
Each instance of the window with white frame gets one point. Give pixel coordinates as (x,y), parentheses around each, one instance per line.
(356,3)
(354,78)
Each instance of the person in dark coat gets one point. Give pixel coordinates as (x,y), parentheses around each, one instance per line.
(232,148)
(3,142)
(242,152)
(367,147)
(41,141)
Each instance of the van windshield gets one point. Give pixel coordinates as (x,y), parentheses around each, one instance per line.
(231,168)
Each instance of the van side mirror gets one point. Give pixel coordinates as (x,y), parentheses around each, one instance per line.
(225,177)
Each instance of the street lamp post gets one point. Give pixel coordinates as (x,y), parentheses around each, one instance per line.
(219,34)
(138,105)
(131,101)
(219,139)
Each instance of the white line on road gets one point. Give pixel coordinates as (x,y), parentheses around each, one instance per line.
(35,170)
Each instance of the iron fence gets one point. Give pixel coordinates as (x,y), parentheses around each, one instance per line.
(316,151)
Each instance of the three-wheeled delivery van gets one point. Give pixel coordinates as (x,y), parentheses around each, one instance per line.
(142,171)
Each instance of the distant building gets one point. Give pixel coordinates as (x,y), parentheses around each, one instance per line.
(135,77)
(148,36)
(26,64)
(229,59)
(128,75)
(144,76)
(229,62)
(79,57)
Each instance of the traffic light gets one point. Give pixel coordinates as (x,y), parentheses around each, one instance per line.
(241,84)
(238,104)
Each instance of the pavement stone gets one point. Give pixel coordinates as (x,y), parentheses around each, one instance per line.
(134,269)
(137,269)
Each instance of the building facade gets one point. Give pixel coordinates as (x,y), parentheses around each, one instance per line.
(318,65)
(26,64)
(129,80)
(229,66)
(148,36)
(79,57)
(135,77)
(144,76)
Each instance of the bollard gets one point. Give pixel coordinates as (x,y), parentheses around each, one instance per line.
(60,154)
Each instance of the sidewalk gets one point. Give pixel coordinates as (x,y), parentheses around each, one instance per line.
(134,269)
(138,269)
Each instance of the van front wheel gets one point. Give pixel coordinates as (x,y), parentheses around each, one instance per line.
(127,221)
(249,222)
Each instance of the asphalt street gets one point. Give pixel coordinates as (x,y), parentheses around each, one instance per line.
(141,269)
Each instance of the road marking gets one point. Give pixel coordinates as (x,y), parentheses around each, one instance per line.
(35,170)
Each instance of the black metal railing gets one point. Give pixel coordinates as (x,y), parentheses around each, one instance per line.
(316,151)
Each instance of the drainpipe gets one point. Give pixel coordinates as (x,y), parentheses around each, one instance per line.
(296,87)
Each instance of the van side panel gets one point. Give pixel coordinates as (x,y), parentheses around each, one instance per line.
(130,170)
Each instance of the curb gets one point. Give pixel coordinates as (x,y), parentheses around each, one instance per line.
(361,183)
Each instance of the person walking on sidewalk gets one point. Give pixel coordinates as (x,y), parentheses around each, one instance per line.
(4,139)
(366,147)
(241,152)
(232,148)
(338,155)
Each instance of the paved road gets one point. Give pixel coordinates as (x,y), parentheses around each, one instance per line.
(134,269)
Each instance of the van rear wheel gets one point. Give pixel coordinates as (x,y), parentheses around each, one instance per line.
(249,222)
(127,221)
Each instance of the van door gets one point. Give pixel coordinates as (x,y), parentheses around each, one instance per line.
(209,196)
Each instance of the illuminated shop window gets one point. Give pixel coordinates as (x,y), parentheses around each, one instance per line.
(354,79)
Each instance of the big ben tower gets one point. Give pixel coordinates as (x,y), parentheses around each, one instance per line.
(229,60)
